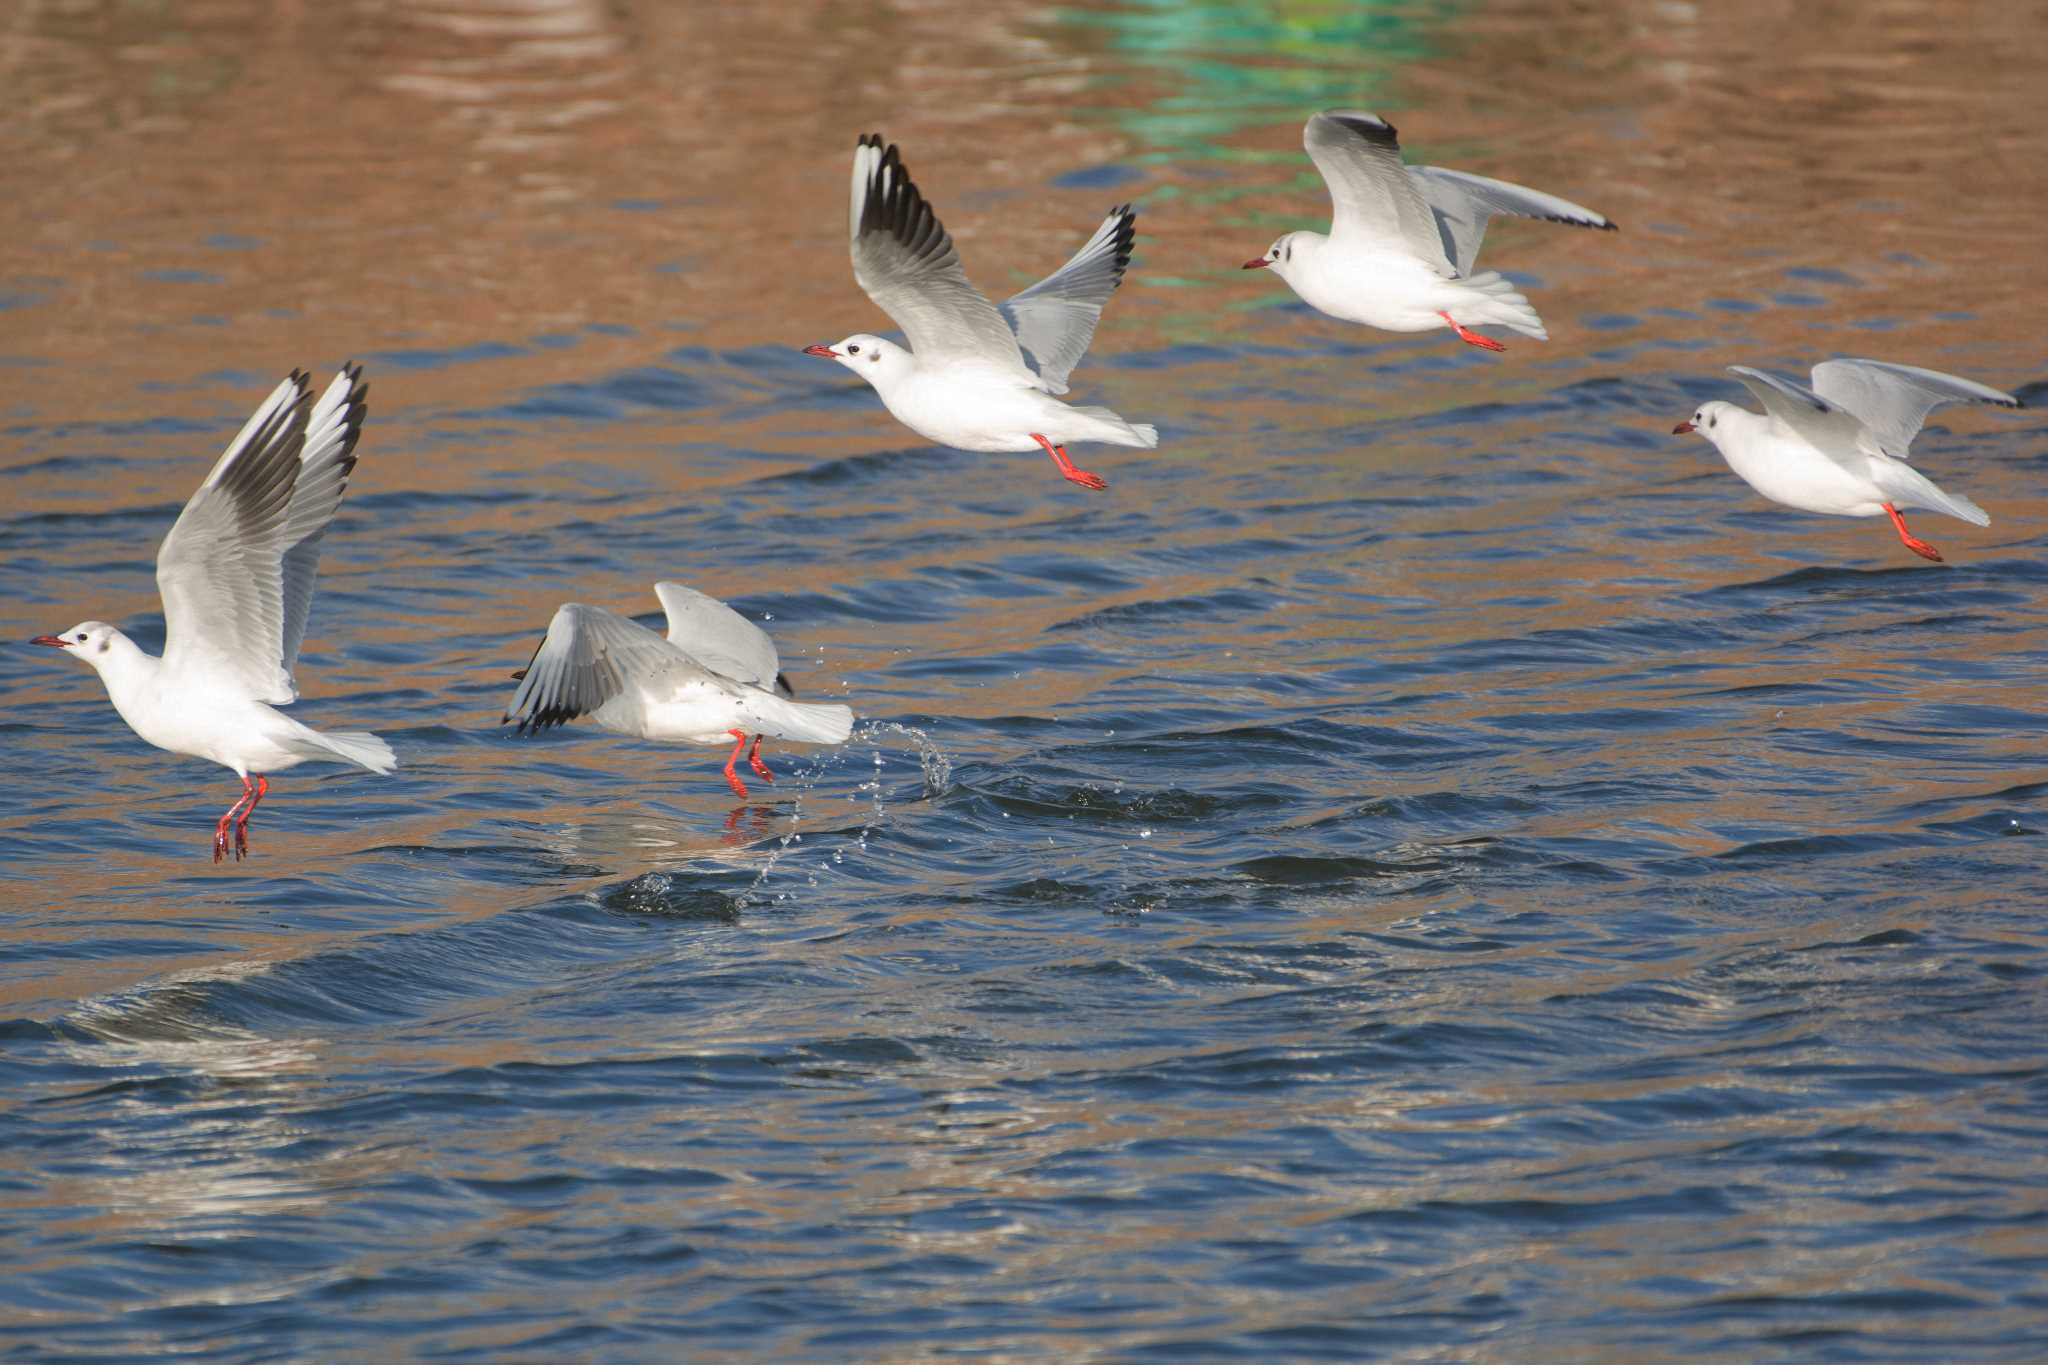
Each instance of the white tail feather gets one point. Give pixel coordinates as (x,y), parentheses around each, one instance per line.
(1908,486)
(359,747)
(1501,305)
(1118,431)
(813,722)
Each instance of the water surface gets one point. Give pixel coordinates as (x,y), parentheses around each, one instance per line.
(1425,866)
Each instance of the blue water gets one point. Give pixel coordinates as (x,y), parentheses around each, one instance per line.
(1426,866)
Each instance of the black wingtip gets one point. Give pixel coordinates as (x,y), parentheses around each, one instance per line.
(518,674)
(1126,237)
(1371,127)
(894,205)
(870,140)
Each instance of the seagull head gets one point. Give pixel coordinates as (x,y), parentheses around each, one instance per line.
(89,640)
(1279,257)
(870,357)
(1707,421)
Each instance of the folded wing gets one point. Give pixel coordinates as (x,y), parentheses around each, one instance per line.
(904,259)
(221,568)
(1374,199)
(1055,318)
(1463,204)
(1893,400)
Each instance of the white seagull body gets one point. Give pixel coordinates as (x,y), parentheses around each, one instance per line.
(963,382)
(715,677)
(1841,446)
(236,573)
(1403,239)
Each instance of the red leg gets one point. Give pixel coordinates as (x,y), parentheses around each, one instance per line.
(755,759)
(737,749)
(1067,470)
(242,825)
(1911,541)
(1469,337)
(220,831)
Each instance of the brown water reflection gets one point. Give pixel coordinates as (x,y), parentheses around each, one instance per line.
(446,174)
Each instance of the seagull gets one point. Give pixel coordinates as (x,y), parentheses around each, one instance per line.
(1840,447)
(715,677)
(964,382)
(1403,238)
(236,573)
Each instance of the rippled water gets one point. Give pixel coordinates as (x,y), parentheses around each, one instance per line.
(1425,866)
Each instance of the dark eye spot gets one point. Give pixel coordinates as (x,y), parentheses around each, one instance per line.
(81,637)
(853,350)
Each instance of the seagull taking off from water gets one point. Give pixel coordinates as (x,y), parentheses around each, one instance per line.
(1403,238)
(236,573)
(1841,446)
(963,382)
(715,677)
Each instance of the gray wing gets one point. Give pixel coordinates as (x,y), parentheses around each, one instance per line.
(594,660)
(904,259)
(1463,204)
(221,568)
(1834,432)
(1894,400)
(324,466)
(1055,318)
(718,637)
(1375,201)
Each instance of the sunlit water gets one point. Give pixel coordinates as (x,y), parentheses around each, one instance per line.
(1426,865)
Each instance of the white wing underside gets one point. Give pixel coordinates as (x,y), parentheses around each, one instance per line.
(237,570)
(1893,401)
(1374,201)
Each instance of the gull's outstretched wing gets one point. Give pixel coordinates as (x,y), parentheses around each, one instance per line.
(1375,201)
(595,660)
(718,637)
(904,259)
(221,568)
(1893,400)
(1463,204)
(325,463)
(1055,318)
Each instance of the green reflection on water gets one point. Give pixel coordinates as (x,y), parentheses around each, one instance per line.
(1230,66)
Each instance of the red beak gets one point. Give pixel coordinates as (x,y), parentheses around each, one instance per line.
(49,640)
(825,351)
(1260,264)
(1681,428)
